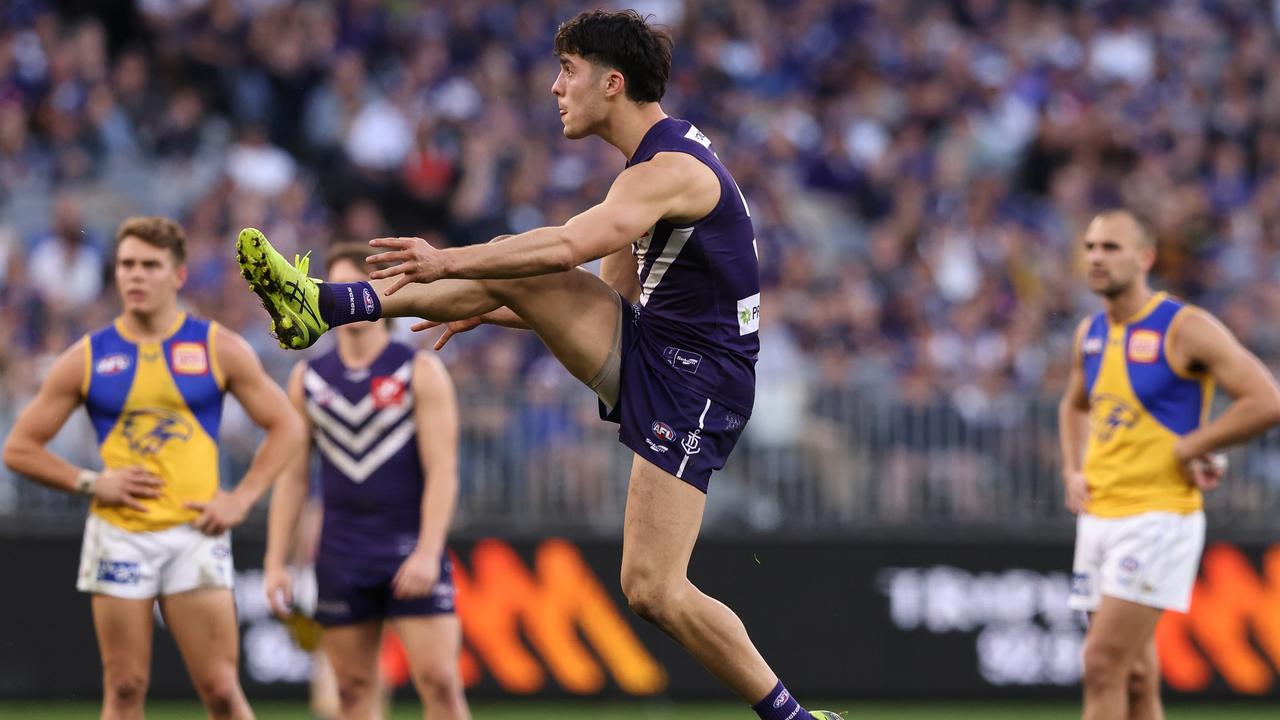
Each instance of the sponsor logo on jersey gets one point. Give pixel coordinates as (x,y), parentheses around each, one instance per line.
(749,314)
(696,135)
(112,364)
(1144,346)
(387,391)
(664,431)
(189,358)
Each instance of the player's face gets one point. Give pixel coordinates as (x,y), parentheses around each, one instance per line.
(1115,255)
(147,277)
(579,91)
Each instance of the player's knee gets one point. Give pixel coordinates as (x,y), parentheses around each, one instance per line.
(1144,680)
(220,692)
(647,595)
(438,682)
(354,690)
(125,688)
(1102,668)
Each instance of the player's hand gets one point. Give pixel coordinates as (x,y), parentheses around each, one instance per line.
(1206,472)
(278,584)
(126,486)
(225,511)
(417,575)
(450,329)
(1077,491)
(416,261)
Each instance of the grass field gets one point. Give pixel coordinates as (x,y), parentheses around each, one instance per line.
(684,711)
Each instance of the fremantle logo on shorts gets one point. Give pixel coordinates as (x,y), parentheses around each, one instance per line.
(121,572)
(690,443)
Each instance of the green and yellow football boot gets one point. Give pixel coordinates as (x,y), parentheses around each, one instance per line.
(290,297)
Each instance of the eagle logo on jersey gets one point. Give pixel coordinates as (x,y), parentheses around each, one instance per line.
(1109,413)
(148,430)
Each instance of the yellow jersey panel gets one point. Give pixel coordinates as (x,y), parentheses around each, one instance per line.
(1139,407)
(157,406)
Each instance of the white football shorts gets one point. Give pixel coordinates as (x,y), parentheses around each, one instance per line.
(140,565)
(1151,559)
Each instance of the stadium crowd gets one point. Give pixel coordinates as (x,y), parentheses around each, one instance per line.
(918,173)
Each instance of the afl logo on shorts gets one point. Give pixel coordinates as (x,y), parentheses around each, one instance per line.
(189,358)
(112,364)
(664,431)
(1144,346)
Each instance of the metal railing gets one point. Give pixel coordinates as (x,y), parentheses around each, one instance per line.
(539,460)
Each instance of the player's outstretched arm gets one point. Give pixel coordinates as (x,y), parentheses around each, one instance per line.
(672,186)
(288,496)
(1201,344)
(435,410)
(25,452)
(1073,428)
(266,405)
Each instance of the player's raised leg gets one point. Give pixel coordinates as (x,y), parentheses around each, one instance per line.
(432,644)
(203,623)
(1118,634)
(575,313)
(124,627)
(353,651)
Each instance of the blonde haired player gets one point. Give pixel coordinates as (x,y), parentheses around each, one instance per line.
(1137,453)
(152,383)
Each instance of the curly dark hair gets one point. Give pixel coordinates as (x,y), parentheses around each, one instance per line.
(625,42)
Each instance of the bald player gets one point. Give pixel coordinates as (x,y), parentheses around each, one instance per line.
(1138,450)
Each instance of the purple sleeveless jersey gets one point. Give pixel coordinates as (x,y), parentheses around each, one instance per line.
(700,283)
(371,476)
(689,348)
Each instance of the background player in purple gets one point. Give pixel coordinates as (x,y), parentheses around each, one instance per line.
(384,421)
(673,364)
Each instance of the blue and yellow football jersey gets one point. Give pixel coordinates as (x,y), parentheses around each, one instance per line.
(157,405)
(1139,406)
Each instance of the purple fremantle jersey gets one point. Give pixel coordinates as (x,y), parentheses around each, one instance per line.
(371,474)
(700,283)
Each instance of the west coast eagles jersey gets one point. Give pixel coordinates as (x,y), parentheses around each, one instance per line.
(157,405)
(1139,406)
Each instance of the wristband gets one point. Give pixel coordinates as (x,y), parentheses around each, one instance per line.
(85,482)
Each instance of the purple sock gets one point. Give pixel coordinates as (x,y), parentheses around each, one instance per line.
(342,303)
(779,705)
